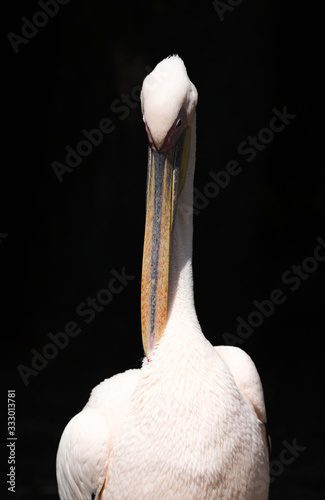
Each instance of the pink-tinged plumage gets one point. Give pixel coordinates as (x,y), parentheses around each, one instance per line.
(189,424)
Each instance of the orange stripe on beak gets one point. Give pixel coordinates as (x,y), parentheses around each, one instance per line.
(155,267)
(165,178)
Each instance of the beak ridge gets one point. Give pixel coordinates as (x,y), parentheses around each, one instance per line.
(165,178)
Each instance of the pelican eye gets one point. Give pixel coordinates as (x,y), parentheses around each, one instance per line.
(178,123)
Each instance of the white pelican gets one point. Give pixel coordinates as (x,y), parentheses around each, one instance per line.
(190,423)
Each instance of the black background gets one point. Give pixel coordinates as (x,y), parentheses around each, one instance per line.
(64,238)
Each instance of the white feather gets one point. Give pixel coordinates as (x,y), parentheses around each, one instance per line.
(246,377)
(84,449)
(188,424)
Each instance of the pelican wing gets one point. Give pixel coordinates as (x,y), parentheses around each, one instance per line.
(83,455)
(246,377)
(84,450)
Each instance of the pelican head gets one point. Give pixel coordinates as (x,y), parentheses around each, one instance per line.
(168,101)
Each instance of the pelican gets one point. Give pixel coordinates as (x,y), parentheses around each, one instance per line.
(190,423)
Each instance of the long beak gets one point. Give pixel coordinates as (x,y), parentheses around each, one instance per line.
(166,175)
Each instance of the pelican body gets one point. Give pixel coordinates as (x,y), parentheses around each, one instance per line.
(190,423)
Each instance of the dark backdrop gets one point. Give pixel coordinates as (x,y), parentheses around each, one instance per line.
(60,242)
